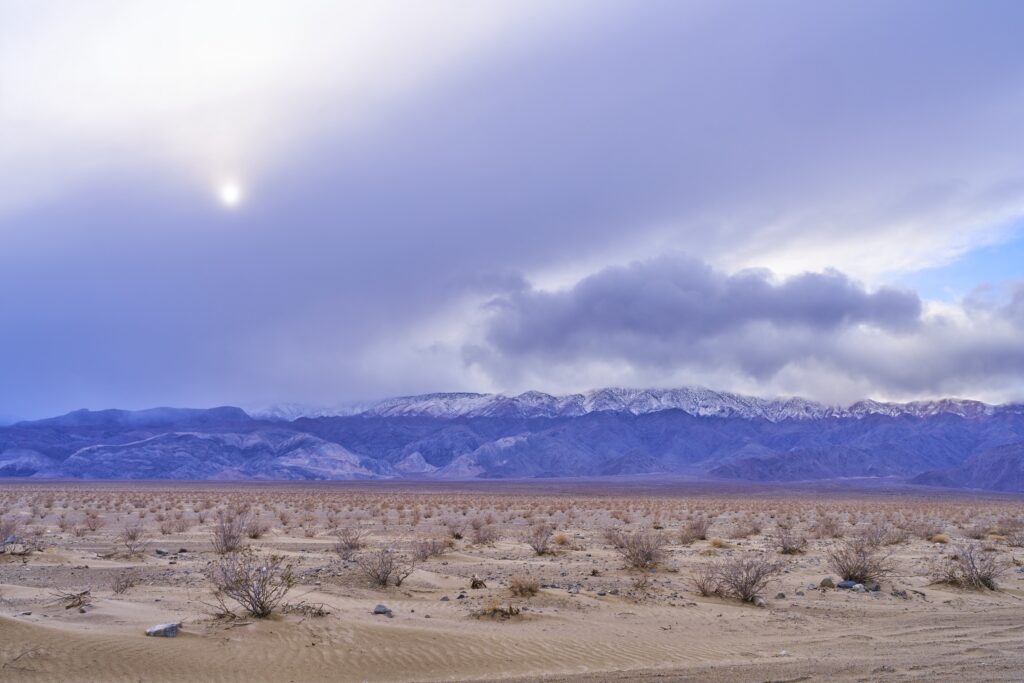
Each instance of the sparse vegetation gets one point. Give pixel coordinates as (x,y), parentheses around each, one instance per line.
(257,583)
(970,568)
(860,560)
(640,549)
(524,586)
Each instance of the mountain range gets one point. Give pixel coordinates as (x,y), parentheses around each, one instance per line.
(690,432)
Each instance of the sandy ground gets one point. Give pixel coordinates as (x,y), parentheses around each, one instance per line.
(594,619)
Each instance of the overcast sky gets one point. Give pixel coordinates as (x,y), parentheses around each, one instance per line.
(256,202)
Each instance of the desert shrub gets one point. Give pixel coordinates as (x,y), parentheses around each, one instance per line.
(539,538)
(425,549)
(485,533)
(745,529)
(705,579)
(641,549)
(789,542)
(939,538)
(978,531)
(970,568)
(875,534)
(93,521)
(350,540)
(456,527)
(255,582)
(228,531)
(133,539)
(256,528)
(859,560)
(925,528)
(720,544)
(385,566)
(827,526)
(123,580)
(1012,530)
(524,586)
(9,529)
(561,540)
(695,530)
(743,578)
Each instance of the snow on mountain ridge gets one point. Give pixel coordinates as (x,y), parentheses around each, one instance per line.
(696,401)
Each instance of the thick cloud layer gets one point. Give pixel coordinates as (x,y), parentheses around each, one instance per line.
(394,183)
(671,318)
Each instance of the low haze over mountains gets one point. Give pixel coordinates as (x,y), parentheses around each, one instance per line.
(687,432)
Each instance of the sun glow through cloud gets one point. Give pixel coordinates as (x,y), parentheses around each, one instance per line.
(230,193)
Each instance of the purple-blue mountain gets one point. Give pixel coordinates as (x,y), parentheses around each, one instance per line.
(695,432)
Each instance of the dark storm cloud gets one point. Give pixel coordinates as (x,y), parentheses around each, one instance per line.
(684,300)
(676,317)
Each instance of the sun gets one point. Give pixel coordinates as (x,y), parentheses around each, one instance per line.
(229,193)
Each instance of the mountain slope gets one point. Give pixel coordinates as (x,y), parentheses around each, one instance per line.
(602,433)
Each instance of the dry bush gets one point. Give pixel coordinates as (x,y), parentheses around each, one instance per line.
(256,528)
(495,610)
(705,579)
(925,529)
(385,566)
(9,528)
(256,583)
(524,586)
(426,549)
(743,578)
(539,538)
(350,540)
(971,569)
(939,538)
(93,521)
(978,531)
(788,542)
(228,531)
(561,539)
(485,533)
(695,530)
(133,539)
(123,580)
(641,549)
(859,560)
(720,544)
(827,527)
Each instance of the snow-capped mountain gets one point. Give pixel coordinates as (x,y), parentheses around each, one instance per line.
(605,432)
(695,401)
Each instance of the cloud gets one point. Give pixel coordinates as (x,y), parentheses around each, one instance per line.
(671,318)
(400,165)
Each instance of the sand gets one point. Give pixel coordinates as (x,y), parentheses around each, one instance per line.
(569,631)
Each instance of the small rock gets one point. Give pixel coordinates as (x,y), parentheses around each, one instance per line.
(382,609)
(800,593)
(827,583)
(760,602)
(160,551)
(445,598)
(780,596)
(847,585)
(163,630)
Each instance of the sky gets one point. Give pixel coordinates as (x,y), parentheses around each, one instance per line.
(321,203)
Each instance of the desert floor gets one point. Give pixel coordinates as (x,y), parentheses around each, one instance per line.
(594,618)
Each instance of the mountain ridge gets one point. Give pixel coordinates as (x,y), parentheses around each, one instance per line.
(607,432)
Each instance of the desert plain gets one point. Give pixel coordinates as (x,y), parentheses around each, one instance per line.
(552,581)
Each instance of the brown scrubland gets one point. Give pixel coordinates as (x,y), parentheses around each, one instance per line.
(582,581)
